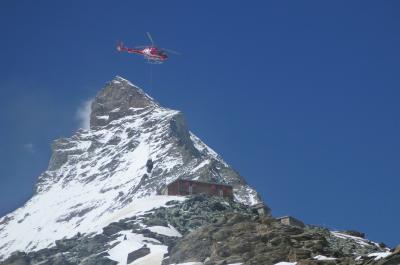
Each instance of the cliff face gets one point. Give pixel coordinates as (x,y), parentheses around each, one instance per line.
(95,176)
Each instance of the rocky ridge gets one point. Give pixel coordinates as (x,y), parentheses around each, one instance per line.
(209,231)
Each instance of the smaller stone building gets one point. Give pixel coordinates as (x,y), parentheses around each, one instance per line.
(188,187)
(289,220)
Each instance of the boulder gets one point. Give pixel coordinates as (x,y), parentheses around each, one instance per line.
(17,258)
(139,253)
(396,250)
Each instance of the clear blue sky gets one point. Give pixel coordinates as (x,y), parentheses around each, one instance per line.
(301,97)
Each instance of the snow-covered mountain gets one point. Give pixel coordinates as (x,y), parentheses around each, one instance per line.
(98,202)
(113,170)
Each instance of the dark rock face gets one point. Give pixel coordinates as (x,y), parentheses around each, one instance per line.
(88,250)
(149,165)
(391,260)
(18,258)
(238,238)
(354,233)
(241,236)
(115,100)
(141,252)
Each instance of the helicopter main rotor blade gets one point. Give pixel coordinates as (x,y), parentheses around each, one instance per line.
(150,38)
(171,51)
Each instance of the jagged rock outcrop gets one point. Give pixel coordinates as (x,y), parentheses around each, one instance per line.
(137,254)
(249,239)
(116,100)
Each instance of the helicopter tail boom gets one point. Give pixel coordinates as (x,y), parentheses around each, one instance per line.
(122,48)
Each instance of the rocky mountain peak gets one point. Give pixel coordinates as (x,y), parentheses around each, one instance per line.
(117,99)
(99,176)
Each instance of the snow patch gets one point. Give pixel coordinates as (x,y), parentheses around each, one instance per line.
(156,255)
(201,165)
(189,263)
(129,242)
(166,231)
(379,255)
(358,240)
(40,229)
(104,117)
(322,257)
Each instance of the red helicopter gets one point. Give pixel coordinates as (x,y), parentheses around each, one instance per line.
(151,53)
